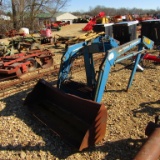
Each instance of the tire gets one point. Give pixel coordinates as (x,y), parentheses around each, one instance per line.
(33,64)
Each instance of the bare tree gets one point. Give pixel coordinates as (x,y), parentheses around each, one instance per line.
(23,10)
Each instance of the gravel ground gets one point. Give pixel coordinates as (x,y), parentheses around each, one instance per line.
(23,137)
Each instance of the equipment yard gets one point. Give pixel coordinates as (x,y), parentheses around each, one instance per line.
(129,112)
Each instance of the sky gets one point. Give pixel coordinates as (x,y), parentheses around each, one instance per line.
(84,5)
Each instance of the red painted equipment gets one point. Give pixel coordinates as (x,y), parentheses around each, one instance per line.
(55,26)
(46,32)
(13,33)
(21,63)
(148,56)
(143,18)
(92,22)
(61,23)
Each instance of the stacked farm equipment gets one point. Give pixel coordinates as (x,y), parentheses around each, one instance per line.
(24,43)
(13,33)
(24,54)
(27,43)
(73,109)
(120,18)
(61,39)
(21,63)
(86,37)
(18,44)
(142,18)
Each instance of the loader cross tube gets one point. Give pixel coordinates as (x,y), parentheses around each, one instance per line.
(110,59)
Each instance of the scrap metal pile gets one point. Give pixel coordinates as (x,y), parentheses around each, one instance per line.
(86,37)
(26,53)
(21,63)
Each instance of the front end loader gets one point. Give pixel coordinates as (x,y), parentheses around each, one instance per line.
(73,109)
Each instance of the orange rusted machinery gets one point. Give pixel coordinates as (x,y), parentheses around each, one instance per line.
(151,149)
(80,122)
(13,33)
(22,63)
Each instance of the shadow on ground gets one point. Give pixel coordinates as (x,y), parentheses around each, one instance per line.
(147,107)
(53,143)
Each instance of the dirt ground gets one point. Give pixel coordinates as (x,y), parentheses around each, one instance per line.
(22,137)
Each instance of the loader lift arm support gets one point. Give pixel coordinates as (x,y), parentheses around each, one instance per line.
(112,51)
(66,61)
(79,120)
(111,58)
(99,44)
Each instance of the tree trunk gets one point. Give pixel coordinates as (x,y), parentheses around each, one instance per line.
(14,14)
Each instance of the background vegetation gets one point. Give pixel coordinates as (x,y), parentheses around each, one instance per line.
(23,13)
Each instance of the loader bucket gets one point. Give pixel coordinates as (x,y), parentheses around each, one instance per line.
(80,122)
